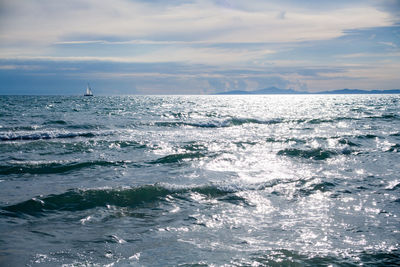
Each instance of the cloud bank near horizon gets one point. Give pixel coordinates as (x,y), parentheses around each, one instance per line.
(196,47)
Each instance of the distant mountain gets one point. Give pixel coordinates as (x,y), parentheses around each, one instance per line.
(358,91)
(277,91)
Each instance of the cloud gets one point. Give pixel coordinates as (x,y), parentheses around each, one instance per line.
(46,21)
(199,46)
(187,54)
(20,67)
(114,77)
(370,55)
(172,31)
(390,6)
(391,44)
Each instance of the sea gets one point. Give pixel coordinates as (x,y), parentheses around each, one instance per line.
(256,180)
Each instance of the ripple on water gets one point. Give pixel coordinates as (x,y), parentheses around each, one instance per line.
(200,180)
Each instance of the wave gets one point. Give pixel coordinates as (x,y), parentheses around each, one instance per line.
(324,120)
(66,125)
(20,128)
(367,136)
(393,186)
(316,154)
(319,187)
(69,147)
(48,135)
(84,127)
(385,117)
(235,121)
(194,146)
(394,148)
(177,158)
(241,121)
(53,167)
(285,140)
(57,122)
(218,124)
(243,144)
(345,141)
(284,257)
(78,200)
(192,124)
(319,121)
(127,143)
(302,188)
(178,115)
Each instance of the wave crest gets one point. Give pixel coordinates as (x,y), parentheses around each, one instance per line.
(316,154)
(45,135)
(53,167)
(78,200)
(177,158)
(218,124)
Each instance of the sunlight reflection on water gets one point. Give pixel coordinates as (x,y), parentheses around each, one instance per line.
(213,180)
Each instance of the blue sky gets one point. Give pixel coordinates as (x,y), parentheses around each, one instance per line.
(197,47)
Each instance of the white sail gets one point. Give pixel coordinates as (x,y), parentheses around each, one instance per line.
(88,91)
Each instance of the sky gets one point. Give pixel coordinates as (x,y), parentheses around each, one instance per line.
(197,47)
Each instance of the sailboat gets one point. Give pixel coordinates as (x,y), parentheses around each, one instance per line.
(88,91)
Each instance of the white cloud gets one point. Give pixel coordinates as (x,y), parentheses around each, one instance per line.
(391,44)
(48,21)
(20,67)
(369,55)
(204,55)
(186,54)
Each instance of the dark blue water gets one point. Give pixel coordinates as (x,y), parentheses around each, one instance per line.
(200,180)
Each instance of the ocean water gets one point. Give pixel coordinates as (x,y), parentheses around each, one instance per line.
(282,180)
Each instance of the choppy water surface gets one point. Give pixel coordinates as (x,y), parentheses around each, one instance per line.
(200,180)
